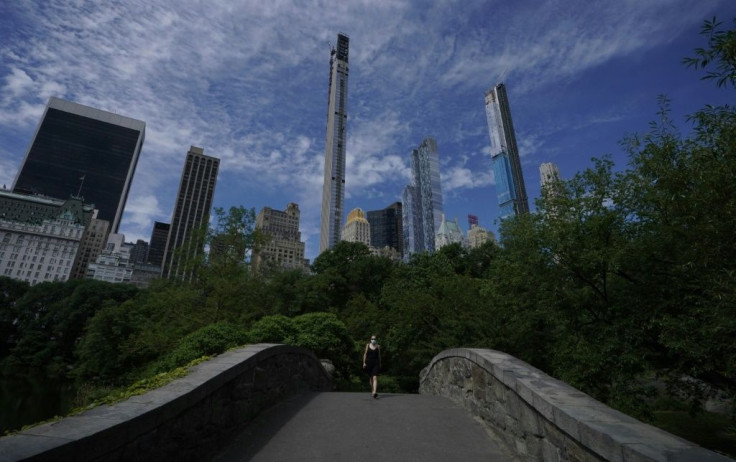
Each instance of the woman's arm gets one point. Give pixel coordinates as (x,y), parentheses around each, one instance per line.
(365,353)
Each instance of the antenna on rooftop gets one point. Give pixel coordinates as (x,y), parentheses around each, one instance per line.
(79,193)
(503,74)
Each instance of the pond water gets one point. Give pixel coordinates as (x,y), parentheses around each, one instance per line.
(30,399)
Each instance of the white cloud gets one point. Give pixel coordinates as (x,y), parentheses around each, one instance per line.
(465,178)
(17,82)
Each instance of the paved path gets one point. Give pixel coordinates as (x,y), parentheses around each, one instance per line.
(355,427)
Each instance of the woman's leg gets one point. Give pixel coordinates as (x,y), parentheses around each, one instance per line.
(375,384)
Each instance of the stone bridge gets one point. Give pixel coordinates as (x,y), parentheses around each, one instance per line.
(274,402)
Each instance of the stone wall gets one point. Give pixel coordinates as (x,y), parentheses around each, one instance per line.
(187,420)
(543,419)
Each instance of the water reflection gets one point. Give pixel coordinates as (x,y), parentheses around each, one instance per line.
(33,398)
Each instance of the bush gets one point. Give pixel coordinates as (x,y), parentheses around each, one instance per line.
(207,341)
(272,329)
(323,333)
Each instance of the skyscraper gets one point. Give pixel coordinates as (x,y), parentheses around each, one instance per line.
(549,173)
(423,207)
(386,227)
(510,187)
(411,222)
(333,188)
(191,212)
(157,247)
(284,247)
(357,229)
(82,151)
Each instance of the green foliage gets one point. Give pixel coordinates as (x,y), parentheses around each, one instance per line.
(272,329)
(210,340)
(346,270)
(11,291)
(721,52)
(51,320)
(323,333)
(103,352)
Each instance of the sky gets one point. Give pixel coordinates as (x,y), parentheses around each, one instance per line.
(247,81)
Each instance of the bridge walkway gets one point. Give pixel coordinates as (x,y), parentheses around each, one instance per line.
(356,427)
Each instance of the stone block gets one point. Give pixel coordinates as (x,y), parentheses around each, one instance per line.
(513,405)
(577,453)
(534,447)
(543,406)
(520,447)
(529,420)
(499,389)
(553,434)
(566,423)
(512,426)
(478,382)
(550,452)
(498,416)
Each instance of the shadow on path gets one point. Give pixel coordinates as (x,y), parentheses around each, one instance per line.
(356,427)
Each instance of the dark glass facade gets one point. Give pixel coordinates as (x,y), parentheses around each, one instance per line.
(74,142)
(157,247)
(386,227)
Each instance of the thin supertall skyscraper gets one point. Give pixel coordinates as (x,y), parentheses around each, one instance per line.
(191,212)
(333,189)
(512,199)
(82,151)
(423,206)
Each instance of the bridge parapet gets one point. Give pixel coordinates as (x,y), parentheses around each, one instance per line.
(185,420)
(544,419)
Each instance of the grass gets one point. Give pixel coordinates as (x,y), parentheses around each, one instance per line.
(98,396)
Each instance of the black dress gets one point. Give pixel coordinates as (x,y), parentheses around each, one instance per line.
(372,362)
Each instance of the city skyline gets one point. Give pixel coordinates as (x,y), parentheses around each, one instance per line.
(252,91)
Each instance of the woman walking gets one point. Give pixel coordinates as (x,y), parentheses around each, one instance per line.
(372,364)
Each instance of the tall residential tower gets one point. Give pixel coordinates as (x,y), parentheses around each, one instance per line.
(83,151)
(333,189)
(423,209)
(191,212)
(510,187)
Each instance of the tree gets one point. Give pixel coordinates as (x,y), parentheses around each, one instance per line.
(11,291)
(349,269)
(721,52)
(51,320)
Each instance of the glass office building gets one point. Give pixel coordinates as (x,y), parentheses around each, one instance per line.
(510,188)
(157,246)
(386,227)
(333,189)
(82,151)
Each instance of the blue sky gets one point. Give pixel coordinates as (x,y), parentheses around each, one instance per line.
(247,81)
